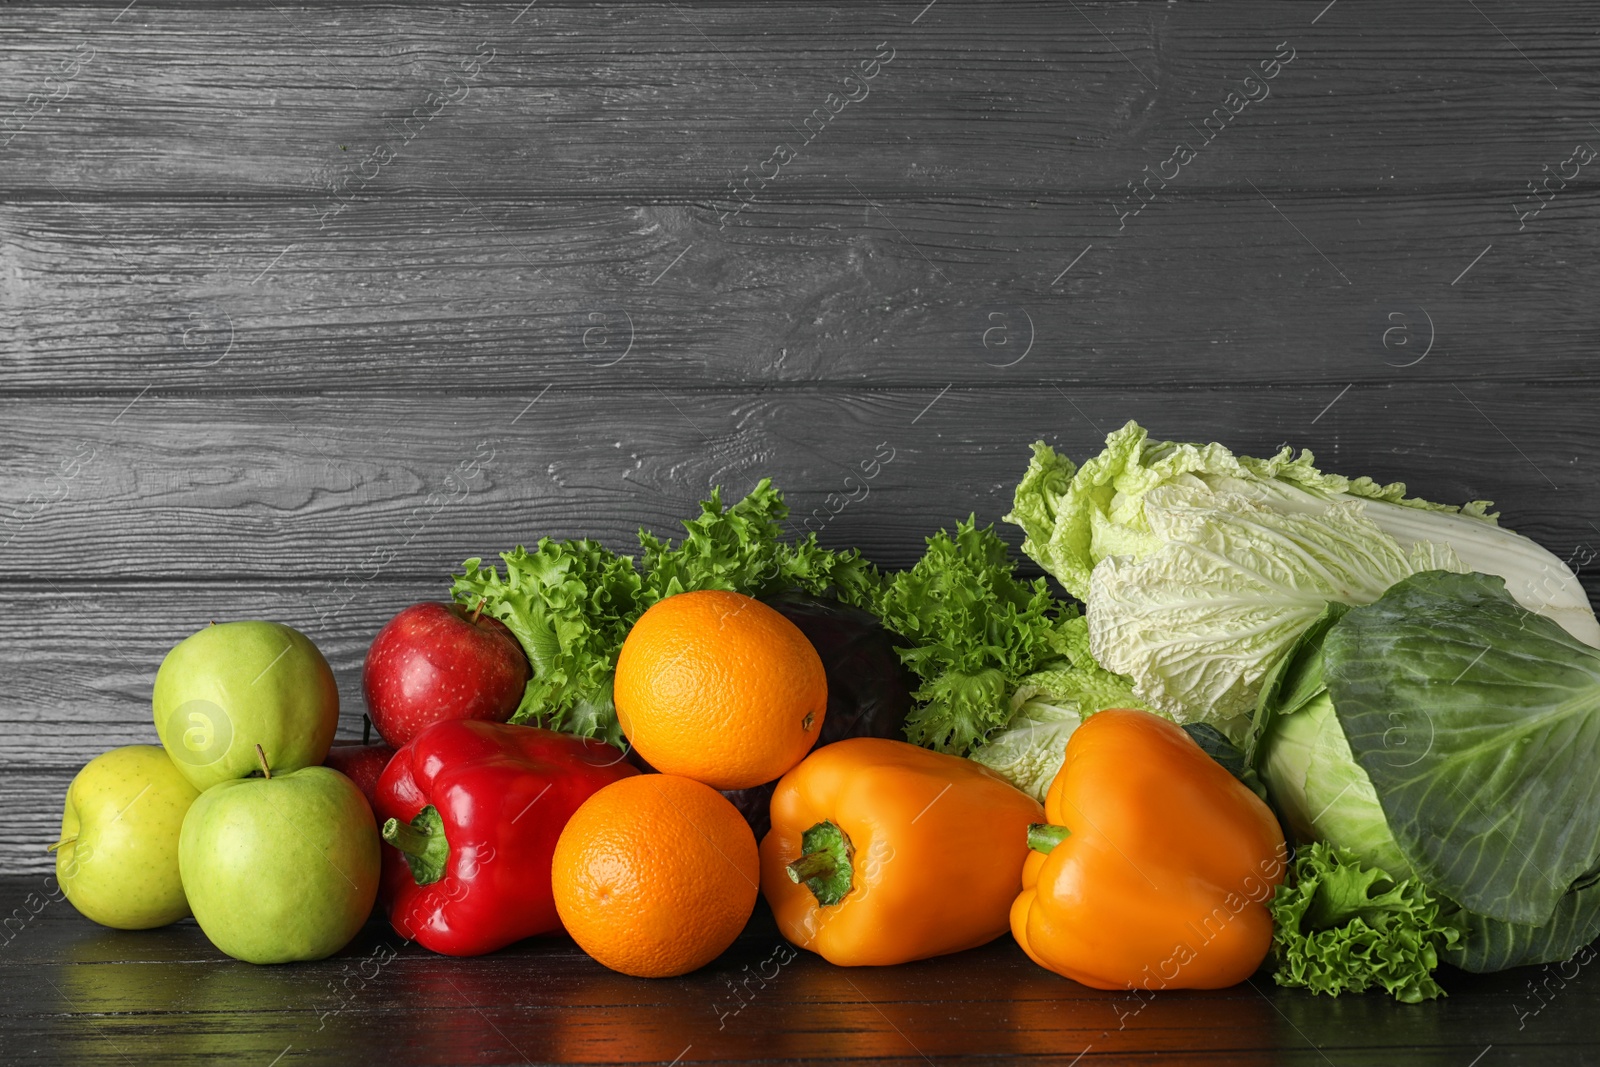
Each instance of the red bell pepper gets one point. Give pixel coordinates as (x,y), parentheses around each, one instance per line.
(473,810)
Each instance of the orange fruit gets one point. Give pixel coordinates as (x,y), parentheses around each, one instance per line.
(655,875)
(720,688)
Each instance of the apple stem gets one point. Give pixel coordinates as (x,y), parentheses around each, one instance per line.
(479,609)
(61,844)
(261,758)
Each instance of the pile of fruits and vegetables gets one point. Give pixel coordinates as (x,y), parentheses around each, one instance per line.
(1282,718)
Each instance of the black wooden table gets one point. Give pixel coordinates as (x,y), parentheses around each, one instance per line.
(303,303)
(76,993)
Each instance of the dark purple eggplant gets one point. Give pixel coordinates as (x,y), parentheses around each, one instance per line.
(869,690)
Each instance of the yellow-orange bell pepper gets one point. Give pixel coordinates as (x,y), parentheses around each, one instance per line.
(1155,868)
(882,852)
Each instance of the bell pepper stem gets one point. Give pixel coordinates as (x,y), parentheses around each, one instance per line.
(824,866)
(406,838)
(812,865)
(423,843)
(1043,836)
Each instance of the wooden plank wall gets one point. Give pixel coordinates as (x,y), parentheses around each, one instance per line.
(301,304)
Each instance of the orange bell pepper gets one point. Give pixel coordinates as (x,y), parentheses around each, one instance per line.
(882,852)
(1156,866)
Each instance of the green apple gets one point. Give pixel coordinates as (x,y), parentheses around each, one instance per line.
(236,685)
(283,867)
(117,860)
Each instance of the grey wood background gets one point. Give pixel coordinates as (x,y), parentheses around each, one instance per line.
(302,304)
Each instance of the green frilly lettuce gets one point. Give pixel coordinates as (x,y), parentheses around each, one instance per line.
(570,604)
(973,631)
(1340,926)
(741,549)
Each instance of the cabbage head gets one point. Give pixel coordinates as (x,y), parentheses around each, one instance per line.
(1445,734)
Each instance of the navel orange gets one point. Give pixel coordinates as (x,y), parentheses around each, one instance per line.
(655,875)
(719,687)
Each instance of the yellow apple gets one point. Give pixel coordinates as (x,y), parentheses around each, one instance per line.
(117,860)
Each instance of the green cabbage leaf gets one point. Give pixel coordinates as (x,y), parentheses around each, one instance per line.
(1494,796)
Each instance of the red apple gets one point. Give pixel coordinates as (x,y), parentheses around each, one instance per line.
(435,662)
(361,763)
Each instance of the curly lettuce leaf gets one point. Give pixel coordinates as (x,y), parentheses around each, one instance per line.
(740,548)
(569,604)
(1198,623)
(973,630)
(1342,927)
